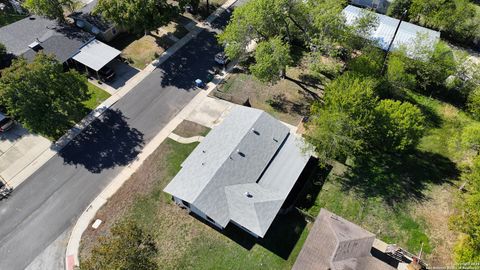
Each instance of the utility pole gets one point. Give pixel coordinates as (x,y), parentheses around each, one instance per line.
(404,14)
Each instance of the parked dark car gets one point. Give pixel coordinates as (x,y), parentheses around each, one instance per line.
(221,59)
(6,122)
(106,74)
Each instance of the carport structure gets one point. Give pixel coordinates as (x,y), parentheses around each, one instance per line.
(95,55)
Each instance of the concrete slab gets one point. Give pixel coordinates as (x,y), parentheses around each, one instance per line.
(210,112)
(19,148)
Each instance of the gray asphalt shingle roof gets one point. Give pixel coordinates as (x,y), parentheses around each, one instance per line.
(250,152)
(61,41)
(386,29)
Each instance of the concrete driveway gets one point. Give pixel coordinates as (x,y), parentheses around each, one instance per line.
(19,148)
(123,73)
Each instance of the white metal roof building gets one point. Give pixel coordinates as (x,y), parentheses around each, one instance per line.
(96,54)
(242,172)
(407,33)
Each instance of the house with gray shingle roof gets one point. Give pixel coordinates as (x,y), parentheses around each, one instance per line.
(242,172)
(28,36)
(69,45)
(335,243)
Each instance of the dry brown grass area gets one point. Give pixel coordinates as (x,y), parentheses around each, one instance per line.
(189,129)
(436,212)
(142,50)
(141,183)
(286,100)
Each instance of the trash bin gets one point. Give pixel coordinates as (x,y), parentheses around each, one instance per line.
(199,83)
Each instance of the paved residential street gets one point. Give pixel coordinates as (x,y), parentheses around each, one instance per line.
(49,202)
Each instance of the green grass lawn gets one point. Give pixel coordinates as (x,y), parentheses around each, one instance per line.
(8,18)
(97,96)
(198,245)
(405,200)
(185,242)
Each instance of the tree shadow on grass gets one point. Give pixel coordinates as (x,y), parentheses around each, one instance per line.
(399,179)
(282,104)
(106,143)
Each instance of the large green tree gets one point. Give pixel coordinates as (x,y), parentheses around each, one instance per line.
(397,7)
(42,96)
(355,96)
(271,59)
(260,20)
(128,247)
(333,135)
(343,123)
(52,9)
(137,15)
(399,125)
(459,19)
(427,72)
(467,221)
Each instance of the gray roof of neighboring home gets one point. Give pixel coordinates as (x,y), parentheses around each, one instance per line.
(386,29)
(61,41)
(338,244)
(86,14)
(249,152)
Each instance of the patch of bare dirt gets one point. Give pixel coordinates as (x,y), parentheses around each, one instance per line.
(140,183)
(436,213)
(189,129)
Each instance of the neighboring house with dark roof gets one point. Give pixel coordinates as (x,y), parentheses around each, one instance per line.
(95,24)
(242,172)
(380,6)
(28,36)
(69,45)
(383,33)
(335,243)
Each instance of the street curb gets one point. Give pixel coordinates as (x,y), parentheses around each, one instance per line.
(72,250)
(63,141)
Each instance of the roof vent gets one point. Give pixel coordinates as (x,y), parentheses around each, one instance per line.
(240,153)
(248,195)
(256,132)
(275,140)
(35,45)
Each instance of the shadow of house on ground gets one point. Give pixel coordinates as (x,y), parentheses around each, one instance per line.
(280,239)
(399,179)
(194,62)
(287,227)
(108,142)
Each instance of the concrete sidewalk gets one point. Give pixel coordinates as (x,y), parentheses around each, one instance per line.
(18,149)
(71,259)
(41,158)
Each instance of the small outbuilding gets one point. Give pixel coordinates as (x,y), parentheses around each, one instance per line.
(335,243)
(385,30)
